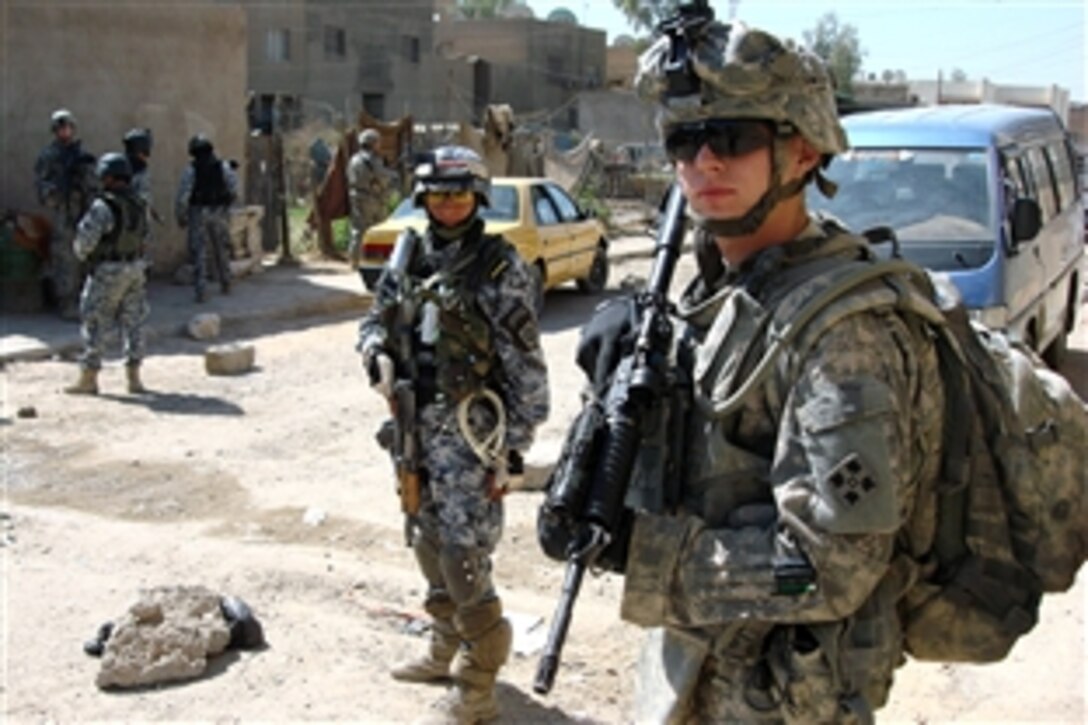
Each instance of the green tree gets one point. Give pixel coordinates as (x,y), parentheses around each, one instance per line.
(839,47)
(958,75)
(645,14)
(481,9)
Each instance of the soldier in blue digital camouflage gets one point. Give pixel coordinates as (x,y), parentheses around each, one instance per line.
(110,240)
(470,350)
(64,178)
(769,577)
(208,188)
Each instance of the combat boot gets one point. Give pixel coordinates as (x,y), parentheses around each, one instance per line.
(86,385)
(435,665)
(135,385)
(472,700)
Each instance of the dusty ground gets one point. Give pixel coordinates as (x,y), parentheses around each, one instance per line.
(211,481)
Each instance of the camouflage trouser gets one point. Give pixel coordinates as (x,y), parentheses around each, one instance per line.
(363,216)
(209,225)
(457,516)
(115,292)
(64,266)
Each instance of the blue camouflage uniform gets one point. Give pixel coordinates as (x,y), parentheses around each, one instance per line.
(204,210)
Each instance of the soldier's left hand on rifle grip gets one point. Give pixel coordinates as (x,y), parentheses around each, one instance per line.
(379,368)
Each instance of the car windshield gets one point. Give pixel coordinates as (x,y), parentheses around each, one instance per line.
(504,206)
(937,201)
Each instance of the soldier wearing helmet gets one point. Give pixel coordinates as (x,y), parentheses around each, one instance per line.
(454,319)
(370,186)
(208,188)
(138,152)
(111,240)
(64,179)
(769,582)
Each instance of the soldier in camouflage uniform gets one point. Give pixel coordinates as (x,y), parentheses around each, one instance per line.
(369,186)
(475,335)
(63,176)
(769,583)
(110,240)
(206,192)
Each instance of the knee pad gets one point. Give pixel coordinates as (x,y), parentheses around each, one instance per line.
(467,573)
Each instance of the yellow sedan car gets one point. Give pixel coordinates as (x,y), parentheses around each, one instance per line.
(559,240)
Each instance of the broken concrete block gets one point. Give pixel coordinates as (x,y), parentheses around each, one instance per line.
(204,326)
(233,359)
(167,635)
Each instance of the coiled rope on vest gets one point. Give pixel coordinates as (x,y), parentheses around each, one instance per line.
(490,447)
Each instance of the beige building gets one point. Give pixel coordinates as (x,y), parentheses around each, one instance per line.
(532,65)
(177,70)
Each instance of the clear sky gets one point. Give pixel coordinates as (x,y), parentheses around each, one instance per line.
(1026,42)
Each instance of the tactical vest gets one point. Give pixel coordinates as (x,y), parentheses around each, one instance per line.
(125,242)
(210,186)
(460,360)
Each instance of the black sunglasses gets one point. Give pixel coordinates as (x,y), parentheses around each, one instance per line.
(725,138)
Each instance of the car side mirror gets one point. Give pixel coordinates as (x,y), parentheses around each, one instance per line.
(1027,220)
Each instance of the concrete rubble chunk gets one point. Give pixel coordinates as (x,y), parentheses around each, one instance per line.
(204,326)
(168,635)
(232,359)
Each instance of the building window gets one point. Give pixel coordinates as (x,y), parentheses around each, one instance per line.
(277,47)
(410,48)
(336,43)
(374,104)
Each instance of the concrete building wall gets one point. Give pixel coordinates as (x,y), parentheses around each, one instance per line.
(177,70)
(535,65)
(342,54)
(616,117)
(932,93)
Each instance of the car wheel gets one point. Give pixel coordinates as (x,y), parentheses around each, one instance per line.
(597,278)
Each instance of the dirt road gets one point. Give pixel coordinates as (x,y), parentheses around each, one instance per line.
(269,486)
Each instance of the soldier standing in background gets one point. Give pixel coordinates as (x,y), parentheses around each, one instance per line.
(138,152)
(369,186)
(63,176)
(458,325)
(208,187)
(110,239)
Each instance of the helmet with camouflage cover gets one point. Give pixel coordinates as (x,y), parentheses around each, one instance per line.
(452,168)
(733,72)
(368,138)
(745,73)
(115,165)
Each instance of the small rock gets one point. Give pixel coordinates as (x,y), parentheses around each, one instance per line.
(204,326)
(232,359)
(314,516)
(27,411)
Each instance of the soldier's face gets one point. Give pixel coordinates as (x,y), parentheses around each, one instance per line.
(724,187)
(450,209)
(65,132)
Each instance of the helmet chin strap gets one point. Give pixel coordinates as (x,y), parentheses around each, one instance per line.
(753,219)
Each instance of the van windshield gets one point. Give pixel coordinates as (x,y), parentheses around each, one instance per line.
(937,201)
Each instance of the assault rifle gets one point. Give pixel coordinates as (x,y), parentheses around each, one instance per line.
(396,281)
(74,186)
(594,504)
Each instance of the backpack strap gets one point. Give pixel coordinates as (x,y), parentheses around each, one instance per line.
(811,309)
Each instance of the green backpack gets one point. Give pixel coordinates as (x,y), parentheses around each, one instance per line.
(1012,493)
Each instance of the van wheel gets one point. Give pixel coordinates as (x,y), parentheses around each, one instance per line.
(1054,355)
(597,278)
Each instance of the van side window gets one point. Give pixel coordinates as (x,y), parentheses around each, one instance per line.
(1015,174)
(1044,183)
(1061,165)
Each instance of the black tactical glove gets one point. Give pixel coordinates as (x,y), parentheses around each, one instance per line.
(605,339)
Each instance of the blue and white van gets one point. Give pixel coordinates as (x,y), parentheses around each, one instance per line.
(987,194)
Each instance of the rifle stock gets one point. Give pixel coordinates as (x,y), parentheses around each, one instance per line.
(632,390)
